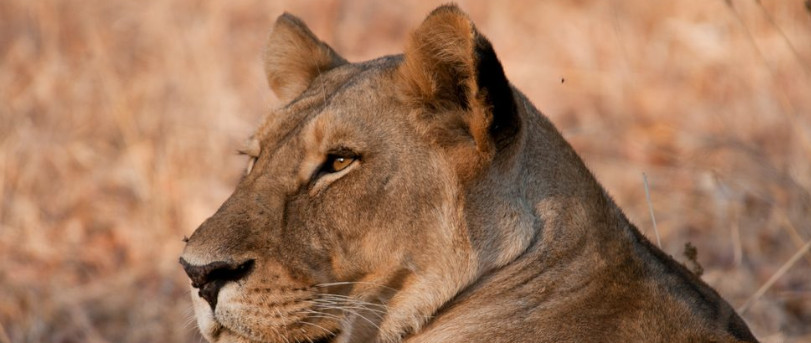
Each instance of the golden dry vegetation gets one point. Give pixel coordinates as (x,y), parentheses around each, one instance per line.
(119,122)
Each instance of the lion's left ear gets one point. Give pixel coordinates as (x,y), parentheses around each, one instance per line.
(294,57)
(452,71)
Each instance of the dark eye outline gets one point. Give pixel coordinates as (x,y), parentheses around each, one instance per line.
(328,167)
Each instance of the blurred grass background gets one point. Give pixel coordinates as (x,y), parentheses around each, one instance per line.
(119,122)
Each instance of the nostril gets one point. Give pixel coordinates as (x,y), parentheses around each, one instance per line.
(210,278)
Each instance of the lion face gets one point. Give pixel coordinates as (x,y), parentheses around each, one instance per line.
(352,221)
(322,216)
(349,222)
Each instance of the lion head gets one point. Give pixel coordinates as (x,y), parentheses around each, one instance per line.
(353,218)
(384,195)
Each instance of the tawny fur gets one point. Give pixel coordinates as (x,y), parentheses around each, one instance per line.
(464,216)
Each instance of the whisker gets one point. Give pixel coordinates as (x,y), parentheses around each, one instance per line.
(279,334)
(330,333)
(318,314)
(344,309)
(284,325)
(343,283)
(191,319)
(352,299)
(349,304)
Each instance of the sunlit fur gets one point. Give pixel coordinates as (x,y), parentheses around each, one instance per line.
(466,217)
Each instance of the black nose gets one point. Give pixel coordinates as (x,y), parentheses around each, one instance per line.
(211,277)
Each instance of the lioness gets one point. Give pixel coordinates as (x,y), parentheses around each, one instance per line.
(422,198)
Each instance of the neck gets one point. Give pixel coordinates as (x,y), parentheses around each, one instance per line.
(542,191)
(544,216)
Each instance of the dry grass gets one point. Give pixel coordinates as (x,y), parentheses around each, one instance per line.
(119,121)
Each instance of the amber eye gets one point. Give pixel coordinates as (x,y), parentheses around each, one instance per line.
(338,163)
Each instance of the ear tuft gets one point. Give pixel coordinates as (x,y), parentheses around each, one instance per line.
(294,57)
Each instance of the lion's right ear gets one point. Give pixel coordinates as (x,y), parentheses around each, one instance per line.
(294,57)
